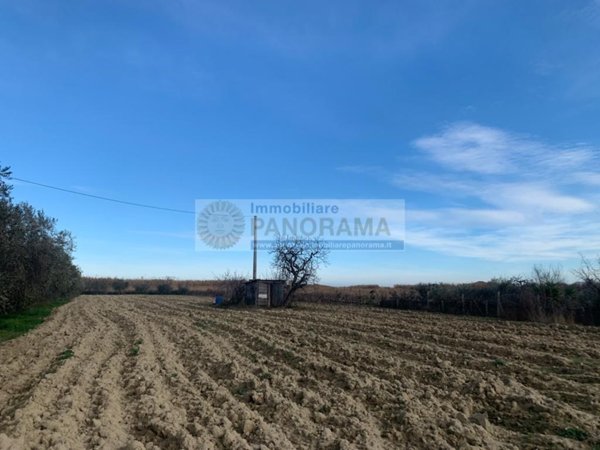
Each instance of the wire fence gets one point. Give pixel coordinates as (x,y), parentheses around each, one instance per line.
(566,303)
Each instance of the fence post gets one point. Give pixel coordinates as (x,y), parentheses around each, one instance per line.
(462,300)
(427,300)
(498,306)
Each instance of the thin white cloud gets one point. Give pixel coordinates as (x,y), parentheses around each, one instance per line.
(576,156)
(591,178)
(432,182)
(534,197)
(472,147)
(530,242)
(520,198)
(467,217)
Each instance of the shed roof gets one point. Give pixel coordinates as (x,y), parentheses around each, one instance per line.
(265,280)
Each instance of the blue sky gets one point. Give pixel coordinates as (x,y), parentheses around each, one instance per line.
(483,115)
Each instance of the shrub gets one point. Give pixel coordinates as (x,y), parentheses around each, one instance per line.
(164,288)
(182,290)
(232,287)
(119,285)
(141,288)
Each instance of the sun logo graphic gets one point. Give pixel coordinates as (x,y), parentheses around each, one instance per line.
(220,224)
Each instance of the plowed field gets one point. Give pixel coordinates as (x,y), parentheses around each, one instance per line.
(171,372)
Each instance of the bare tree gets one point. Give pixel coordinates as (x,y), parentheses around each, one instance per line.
(589,272)
(549,283)
(297,261)
(232,285)
(547,276)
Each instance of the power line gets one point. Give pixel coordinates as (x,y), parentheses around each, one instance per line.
(99,197)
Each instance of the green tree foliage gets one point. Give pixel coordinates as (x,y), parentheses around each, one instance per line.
(36,263)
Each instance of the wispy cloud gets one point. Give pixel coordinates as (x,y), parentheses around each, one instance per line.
(550,240)
(525,196)
(471,147)
(521,198)
(591,178)
(467,217)
(433,182)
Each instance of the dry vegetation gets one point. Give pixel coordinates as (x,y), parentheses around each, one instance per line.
(162,286)
(548,301)
(174,372)
(545,297)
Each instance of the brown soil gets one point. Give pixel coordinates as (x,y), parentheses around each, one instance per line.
(150,372)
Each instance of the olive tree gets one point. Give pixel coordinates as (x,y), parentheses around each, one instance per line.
(36,259)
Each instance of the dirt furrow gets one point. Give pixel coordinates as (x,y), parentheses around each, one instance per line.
(173,372)
(247,383)
(428,354)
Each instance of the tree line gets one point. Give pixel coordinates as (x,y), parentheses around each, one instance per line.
(544,296)
(36,259)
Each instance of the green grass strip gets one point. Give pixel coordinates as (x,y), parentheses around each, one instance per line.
(16,324)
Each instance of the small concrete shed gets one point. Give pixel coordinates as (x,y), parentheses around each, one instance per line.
(265,293)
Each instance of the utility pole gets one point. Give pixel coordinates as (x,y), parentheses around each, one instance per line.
(254,248)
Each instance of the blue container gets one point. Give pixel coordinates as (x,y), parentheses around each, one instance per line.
(219,300)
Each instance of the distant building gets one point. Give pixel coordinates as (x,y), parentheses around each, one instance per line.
(265,293)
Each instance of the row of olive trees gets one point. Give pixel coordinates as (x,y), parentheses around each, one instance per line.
(36,263)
